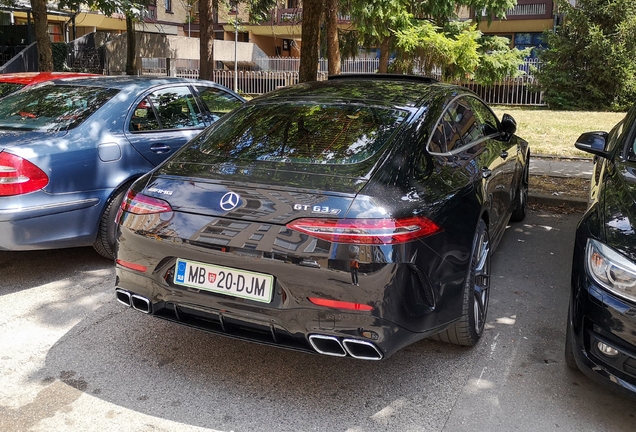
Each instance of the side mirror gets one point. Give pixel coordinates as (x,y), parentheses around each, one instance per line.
(508,124)
(594,143)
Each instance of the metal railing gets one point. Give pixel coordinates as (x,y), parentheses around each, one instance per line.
(512,91)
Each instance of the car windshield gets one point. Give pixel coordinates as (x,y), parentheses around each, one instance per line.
(8,88)
(303,132)
(51,108)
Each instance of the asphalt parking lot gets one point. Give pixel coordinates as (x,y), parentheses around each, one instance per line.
(72,358)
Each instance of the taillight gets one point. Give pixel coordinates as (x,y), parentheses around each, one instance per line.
(140,204)
(19,176)
(367,231)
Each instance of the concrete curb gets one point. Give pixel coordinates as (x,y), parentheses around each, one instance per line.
(558,201)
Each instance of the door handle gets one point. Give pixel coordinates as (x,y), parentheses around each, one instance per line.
(504,154)
(160,148)
(485,173)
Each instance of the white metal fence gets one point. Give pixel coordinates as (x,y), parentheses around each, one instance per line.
(277,72)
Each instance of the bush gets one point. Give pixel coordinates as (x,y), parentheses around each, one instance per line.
(591,60)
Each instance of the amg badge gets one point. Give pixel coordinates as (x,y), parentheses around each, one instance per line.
(317,209)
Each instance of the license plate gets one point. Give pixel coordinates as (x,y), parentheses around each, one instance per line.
(224,280)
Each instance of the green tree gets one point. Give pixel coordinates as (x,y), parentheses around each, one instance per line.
(206,37)
(591,59)
(40,25)
(423,32)
(131,9)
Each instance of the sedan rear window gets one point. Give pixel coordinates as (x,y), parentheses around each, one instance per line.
(8,88)
(305,133)
(51,108)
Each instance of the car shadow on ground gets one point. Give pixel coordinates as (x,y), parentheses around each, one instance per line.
(192,377)
(28,269)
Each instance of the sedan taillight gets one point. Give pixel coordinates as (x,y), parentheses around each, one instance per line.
(19,176)
(367,231)
(140,204)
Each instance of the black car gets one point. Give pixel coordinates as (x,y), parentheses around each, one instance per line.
(601,326)
(398,187)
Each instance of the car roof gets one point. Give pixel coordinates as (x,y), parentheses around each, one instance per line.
(28,78)
(379,89)
(129,81)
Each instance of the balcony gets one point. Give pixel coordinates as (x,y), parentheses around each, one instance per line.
(294,16)
(529,10)
(150,14)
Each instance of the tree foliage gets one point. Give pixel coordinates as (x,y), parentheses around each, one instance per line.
(425,35)
(591,59)
(131,9)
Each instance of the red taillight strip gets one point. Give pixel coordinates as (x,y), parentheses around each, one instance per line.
(19,176)
(132,266)
(340,304)
(367,231)
(140,204)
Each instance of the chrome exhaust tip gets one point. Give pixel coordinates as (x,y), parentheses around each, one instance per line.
(123,297)
(327,345)
(362,350)
(142,304)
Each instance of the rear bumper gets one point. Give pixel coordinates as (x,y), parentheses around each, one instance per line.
(305,330)
(70,223)
(290,320)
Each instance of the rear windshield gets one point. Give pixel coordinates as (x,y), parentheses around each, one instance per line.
(51,108)
(305,133)
(8,88)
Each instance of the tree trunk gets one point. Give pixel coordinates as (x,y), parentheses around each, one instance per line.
(41,25)
(383,67)
(131,46)
(333,44)
(206,39)
(312,15)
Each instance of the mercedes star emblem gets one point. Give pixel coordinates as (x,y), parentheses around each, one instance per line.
(229,201)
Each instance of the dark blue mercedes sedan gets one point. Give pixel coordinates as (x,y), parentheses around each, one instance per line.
(70,148)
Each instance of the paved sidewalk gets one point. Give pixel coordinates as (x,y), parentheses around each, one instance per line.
(560,167)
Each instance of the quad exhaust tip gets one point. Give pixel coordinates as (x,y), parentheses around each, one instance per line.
(137,302)
(333,346)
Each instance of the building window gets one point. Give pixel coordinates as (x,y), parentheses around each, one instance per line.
(169,6)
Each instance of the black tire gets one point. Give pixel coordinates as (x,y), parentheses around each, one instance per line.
(570,361)
(105,242)
(470,326)
(521,199)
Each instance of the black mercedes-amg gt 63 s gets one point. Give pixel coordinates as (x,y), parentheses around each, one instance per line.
(396,189)
(601,326)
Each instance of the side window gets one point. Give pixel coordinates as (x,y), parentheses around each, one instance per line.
(143,118)
(445,137)
(615,136)
(469,129)
(486,118)
(177,108)
(218,101)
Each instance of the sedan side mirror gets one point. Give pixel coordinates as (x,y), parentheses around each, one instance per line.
(594,143)
(508,124)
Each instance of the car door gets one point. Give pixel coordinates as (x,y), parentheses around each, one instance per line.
(163,121)
(485,153)
(505,153)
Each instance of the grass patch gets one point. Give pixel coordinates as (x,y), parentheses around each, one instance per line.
(554,132)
